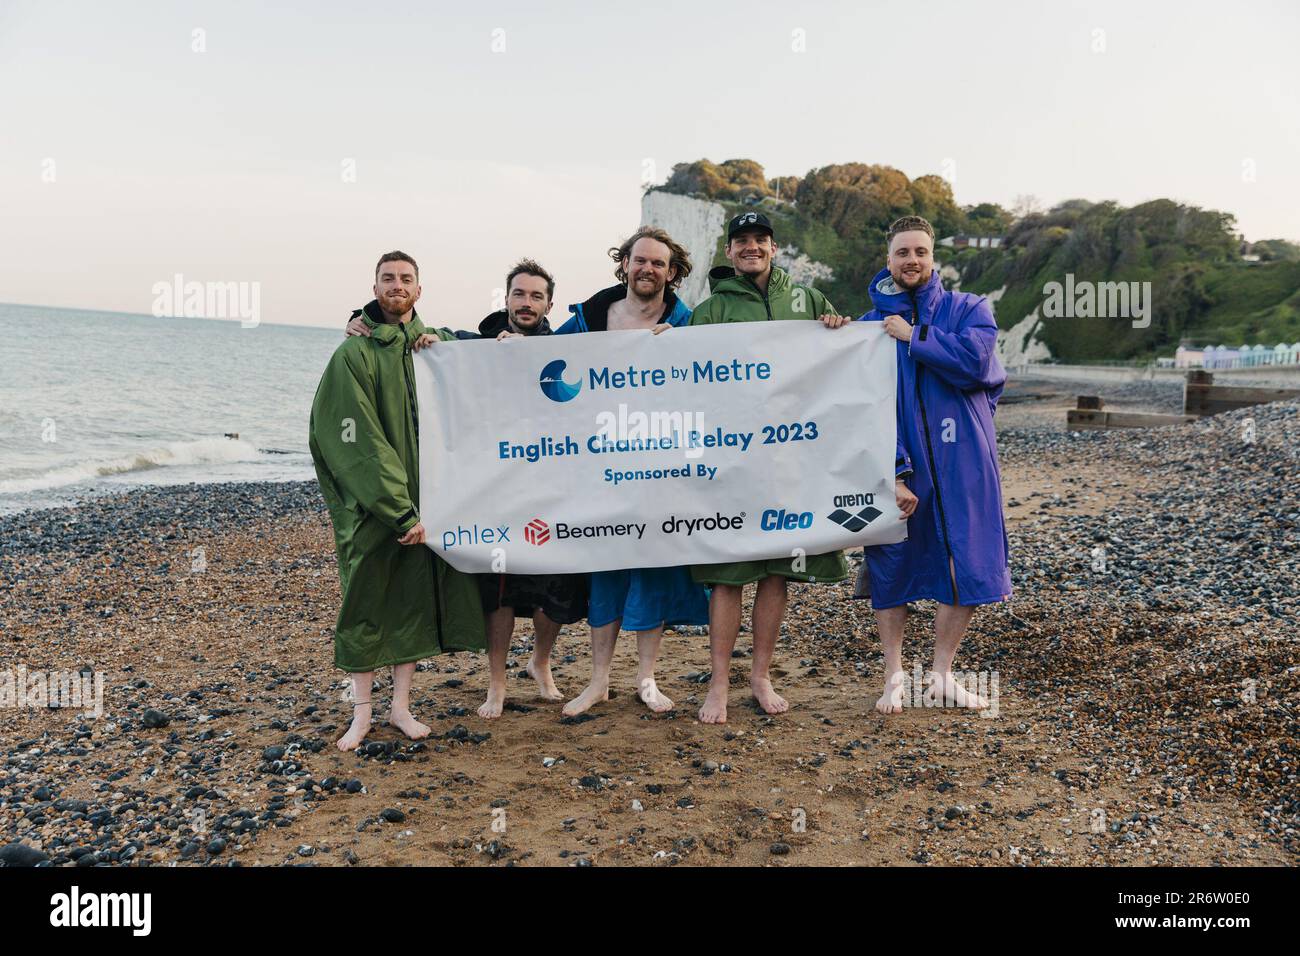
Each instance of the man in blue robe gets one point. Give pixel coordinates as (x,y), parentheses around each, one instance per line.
(949,382)
(650,266)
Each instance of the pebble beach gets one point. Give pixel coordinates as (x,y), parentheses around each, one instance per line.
(1147,677)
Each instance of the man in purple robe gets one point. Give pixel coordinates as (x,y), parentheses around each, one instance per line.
(949,382)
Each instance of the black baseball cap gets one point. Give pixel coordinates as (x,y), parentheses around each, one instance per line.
(747,221)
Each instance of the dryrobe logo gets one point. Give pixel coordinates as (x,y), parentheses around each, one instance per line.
(553,384)
(537,531)
(854,521)
(714,522)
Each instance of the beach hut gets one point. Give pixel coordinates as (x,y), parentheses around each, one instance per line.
(1224,357)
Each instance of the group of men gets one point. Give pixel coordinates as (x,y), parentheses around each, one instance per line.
(402,603)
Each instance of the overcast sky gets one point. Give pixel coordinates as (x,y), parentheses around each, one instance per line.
(483,132)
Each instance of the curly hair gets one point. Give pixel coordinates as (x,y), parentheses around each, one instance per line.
(679,258)
(909,224)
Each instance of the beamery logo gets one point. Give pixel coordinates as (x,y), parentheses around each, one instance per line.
(553,384)
(537,531)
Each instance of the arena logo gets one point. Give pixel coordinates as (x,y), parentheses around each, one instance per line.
(553,384)
(855,500)
(854,521)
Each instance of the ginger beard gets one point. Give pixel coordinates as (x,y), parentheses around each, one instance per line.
(648,267)
(397,289)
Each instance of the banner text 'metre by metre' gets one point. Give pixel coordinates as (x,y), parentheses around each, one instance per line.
(707,371)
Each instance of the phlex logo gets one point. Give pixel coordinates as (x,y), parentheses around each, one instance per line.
(782,520)
(474,534)
(553,384)
(537,531)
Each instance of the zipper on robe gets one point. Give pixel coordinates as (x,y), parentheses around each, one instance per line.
(929,454)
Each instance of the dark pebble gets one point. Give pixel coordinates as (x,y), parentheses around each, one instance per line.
(19,854)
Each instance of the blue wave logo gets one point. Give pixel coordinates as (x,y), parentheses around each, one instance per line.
(553,384)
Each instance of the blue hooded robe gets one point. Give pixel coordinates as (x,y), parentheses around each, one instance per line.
(642,598)
(949,382)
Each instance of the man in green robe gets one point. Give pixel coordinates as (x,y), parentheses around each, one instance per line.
(401,603)
(753,289)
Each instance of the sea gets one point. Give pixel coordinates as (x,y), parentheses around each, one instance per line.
(92,403)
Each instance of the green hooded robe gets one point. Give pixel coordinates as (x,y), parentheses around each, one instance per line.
(401,603)
(735,298)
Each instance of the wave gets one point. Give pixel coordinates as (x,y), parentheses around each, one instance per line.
(201,452)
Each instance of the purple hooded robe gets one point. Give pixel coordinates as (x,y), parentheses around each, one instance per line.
(949,382)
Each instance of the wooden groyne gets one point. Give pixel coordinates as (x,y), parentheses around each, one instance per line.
(1201,397)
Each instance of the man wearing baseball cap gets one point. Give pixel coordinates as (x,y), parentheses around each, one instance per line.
(753,289)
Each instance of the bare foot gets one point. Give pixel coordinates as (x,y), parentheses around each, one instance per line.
(650,696)
(357,732)
(592,695)
(403,721)
(541,673)
(768,699)
(891,701)
(955,695)
(714,709)
(496,698)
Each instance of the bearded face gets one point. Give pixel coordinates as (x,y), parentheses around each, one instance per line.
(528,302)
(397,288)
(911,259)
(648,268)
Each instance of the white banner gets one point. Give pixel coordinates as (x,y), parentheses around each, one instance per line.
(703,444)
